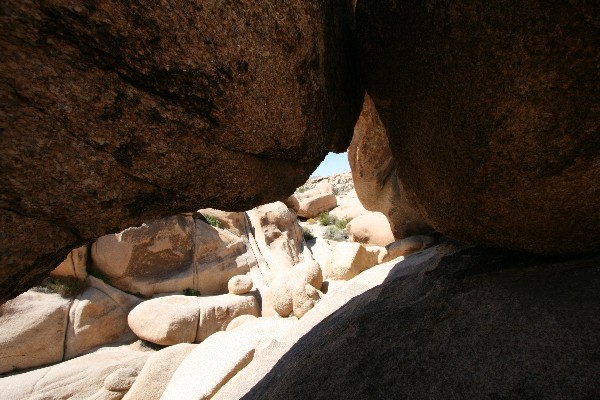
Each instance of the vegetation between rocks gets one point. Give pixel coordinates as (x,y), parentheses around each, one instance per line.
(191,292)
(334,233)
(213,221)
(67,287)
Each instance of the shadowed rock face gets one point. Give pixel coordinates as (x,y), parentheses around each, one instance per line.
(462,323)
(114,113)
(492,114)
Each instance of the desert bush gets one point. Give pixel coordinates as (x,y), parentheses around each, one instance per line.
(334,233)
(191,292)
(341,223)
(213,221)
(67,287)
(307,233)
(326,219)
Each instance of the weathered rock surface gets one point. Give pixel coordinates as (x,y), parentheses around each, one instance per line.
(372,228)
(75,265)
(472,322)
(278,238)
(42,328)
(239,284)
(375,177)
(157,372)
(317,200)
(408,246)
(80,378)
(293,291)
(349,206)
(133,112)
(491,111)
(33,330)
(224,355)
(98,316)
(186,319)
(183,251)
(348,259)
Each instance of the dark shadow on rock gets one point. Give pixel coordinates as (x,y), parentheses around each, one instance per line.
(472,322)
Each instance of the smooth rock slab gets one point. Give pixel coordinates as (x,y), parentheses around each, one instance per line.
(33,331)
(186,319)
(157,372)
(79,378)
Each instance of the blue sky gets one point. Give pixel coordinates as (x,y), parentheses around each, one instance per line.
(333,164)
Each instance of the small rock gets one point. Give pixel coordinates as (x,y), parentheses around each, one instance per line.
(240,284)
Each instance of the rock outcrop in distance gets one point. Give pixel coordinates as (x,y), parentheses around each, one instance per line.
(492,115)
(117,113)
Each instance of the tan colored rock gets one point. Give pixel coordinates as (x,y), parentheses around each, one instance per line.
(408,246)
(75,265)
(239,321)
(292,202)
(279,237)
(225,354)
(240,284)
(239,105)
(218,256)
(98,316)
(374,175)
(187,319)
(152,258)
(304,297)
(157,372)
(277,298)
(172,254)
(372,228)
(234,222)
(33,330)
(121,380)
(349,207)
(347,260)
(311,207)
(308,272)
(80,378)
(289,290)
(223,358)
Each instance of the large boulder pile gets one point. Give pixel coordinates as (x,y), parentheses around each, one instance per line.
(118,113)
(186,252)
(491,111)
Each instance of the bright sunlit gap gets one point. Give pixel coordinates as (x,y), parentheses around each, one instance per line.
(333,164)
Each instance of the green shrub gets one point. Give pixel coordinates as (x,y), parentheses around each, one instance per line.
(191,292)
(326,219)
(67,287)
(307,233)
(334,233)
(341,223)
(213,221)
